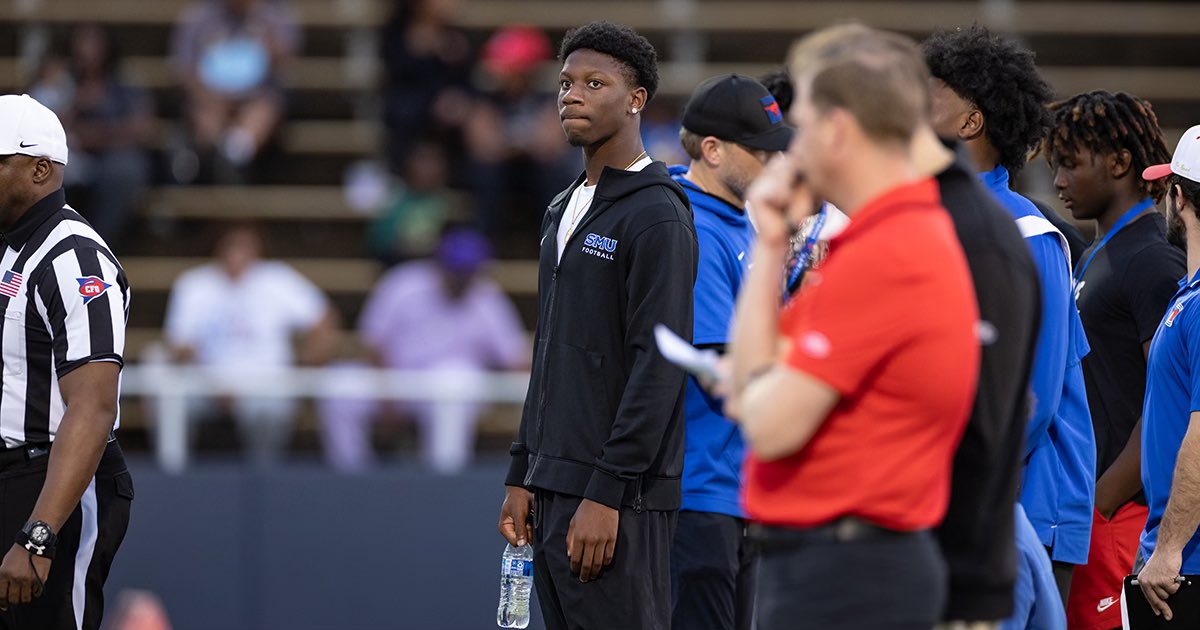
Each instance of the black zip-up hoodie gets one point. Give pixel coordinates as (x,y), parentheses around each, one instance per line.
(603,418)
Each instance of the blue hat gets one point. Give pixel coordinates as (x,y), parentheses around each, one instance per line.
(463,250)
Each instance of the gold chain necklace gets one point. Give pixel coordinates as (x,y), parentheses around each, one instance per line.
(579,210)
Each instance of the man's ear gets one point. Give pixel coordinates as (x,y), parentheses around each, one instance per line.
(43,170)
(836,129)
(711,151)
(1119,163)
(638,99)
(972,126)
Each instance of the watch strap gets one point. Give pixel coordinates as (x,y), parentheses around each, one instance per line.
(46,549)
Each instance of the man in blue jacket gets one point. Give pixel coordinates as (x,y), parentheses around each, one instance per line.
(731,126)
(988,93)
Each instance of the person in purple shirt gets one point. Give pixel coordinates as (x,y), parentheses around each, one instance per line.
(429,315)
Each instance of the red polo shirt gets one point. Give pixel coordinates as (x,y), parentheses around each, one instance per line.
(890,323)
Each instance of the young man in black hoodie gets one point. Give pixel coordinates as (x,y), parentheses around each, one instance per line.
(597,462)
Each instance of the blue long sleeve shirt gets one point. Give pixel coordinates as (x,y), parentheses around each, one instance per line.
(1058,487)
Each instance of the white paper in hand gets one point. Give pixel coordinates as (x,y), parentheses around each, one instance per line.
(702,363)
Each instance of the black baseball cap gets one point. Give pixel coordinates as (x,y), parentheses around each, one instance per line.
(737,109)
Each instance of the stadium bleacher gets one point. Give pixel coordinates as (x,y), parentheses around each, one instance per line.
(332,124)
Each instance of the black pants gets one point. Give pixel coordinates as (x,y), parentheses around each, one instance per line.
(1063,572)
(74,592)
(712,573)
(880,581)
(632,593)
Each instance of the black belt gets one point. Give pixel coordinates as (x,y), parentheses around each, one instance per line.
(844,530)
(22,454)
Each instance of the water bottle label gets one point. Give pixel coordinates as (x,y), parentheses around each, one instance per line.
(517,566)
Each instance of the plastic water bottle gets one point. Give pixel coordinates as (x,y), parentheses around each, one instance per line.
(516,581)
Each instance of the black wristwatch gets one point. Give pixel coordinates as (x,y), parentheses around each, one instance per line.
(38,539)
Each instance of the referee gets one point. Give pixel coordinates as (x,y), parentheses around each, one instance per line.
(64,491)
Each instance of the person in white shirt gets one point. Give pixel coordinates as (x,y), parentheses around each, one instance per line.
(239,315)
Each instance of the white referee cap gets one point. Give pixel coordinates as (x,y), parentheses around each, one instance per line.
(1185,162)
(29,128)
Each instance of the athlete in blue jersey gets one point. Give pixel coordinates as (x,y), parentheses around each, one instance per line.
(988,93)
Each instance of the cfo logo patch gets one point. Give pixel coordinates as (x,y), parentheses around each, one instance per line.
(600,246)
(91,287)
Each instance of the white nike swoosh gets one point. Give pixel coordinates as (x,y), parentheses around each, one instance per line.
(1105,605)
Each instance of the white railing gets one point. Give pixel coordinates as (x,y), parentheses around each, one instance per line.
(170,386)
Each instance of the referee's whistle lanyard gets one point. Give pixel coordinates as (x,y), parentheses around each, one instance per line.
(804,256)
(1125,219)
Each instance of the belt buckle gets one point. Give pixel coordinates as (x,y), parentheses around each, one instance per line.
(847,530)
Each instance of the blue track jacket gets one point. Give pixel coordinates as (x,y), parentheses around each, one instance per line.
(1058,485)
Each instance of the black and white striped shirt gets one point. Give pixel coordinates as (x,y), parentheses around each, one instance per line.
(65,300)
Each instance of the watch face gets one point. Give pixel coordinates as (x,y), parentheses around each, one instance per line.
(40,534)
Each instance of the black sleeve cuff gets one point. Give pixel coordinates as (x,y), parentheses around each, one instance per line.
(67,367)
(605,489)
(518,466)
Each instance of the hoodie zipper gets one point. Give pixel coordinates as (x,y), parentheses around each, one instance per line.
(541,425)
(551,313)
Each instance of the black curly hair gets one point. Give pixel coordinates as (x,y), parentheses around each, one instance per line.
(1105,123)
(621,43)
(779,84)
(997,75)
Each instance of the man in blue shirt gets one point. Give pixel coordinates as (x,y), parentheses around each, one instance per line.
(988,93)
(1171,413)
(731,126)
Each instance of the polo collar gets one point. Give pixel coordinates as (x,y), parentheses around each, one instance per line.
(34,217)
(916,194)
(995,179)
(1189,283)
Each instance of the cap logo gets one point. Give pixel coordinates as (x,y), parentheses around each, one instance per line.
(772,108)
(26,146)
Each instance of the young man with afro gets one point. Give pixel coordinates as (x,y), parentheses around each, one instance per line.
(597,461)
(1098,146)
(987,92)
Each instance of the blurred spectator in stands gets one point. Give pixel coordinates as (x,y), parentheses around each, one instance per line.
(514,134)
(237,315)
(779,84)
(660,132)
(440,314)
(109,124)
(229,56)
(410,222)
(427,67)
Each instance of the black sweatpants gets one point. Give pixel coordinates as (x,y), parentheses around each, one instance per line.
(891,581)
(632,593)
(74,593)
(712,573)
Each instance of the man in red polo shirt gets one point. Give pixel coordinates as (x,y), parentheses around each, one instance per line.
(853,424)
